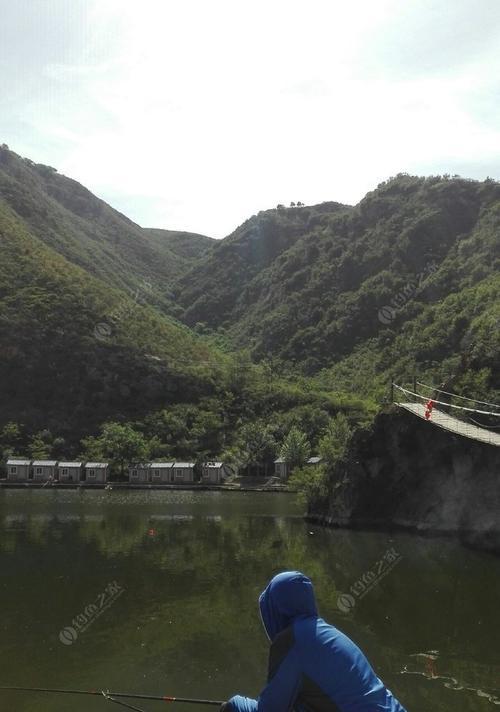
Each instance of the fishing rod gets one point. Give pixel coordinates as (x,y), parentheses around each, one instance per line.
(130,695)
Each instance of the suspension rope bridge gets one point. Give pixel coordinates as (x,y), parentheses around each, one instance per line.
(418,405)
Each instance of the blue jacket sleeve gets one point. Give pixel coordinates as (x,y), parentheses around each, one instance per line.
(279,694)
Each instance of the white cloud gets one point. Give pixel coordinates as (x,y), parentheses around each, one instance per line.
(193,115)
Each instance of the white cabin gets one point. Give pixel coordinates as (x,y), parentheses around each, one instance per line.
(70,471)
(96,471)
(183,472)
(212,472)
(18,470)
(44,470)
(161,472)
(314,461)
(281,468)
(139,472)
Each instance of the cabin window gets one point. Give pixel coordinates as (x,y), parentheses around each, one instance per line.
(65,470)
(38,471)
(13,470)
(134,473)
(91,473)
(179,475)
(156,473)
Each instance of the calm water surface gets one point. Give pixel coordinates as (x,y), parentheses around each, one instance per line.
(167,585)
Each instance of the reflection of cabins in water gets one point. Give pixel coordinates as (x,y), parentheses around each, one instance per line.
(161,472)
(70,471)
(96,471)
(139,472)
(212,472)
(44,470)
(18,470)
(183,472)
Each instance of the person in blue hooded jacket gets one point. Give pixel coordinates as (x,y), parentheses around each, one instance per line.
(313,667)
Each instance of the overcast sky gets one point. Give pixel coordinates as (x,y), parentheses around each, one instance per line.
(195,114)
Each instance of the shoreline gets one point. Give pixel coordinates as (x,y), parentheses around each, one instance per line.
(110,486)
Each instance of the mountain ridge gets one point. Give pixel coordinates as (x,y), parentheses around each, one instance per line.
(409,246)
(87,231)
(338,298)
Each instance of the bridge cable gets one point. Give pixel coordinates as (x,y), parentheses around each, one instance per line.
(447,405)
(455,395)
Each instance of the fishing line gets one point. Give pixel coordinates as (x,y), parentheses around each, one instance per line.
(108,697)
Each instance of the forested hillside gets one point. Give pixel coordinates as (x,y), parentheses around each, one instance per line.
(78,352)
(316,309)
(75,351)
(220,292)
(408,279)
(187,246)
(90,234)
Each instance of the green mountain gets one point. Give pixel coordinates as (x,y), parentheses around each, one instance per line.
(75,351)
(187,246)
(92,235)
(220,291)
(331,300)
(406,280)
(84,338)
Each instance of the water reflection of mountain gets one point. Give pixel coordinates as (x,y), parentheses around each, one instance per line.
(191,581)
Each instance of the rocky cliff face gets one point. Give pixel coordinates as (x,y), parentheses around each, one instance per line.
(407,473)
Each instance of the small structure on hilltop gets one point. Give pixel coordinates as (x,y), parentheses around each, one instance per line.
(18,470)
(140,472)
(161,472)
(212,472)
(44,470)
(96,471)
(70,471)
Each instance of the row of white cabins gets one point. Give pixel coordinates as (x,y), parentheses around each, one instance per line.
(19,470)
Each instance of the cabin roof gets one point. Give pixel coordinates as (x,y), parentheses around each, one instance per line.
(183,464)
(96,465)
(279,460)
(13,461)
(44,463)
(314,460)
(161,465)
(70,464)
(213,464)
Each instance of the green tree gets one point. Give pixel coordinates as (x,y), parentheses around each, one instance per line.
(295,449)
(40,445)
(309,419)
(11,437)
(310,483)
(333,444)
(118,444)
(258,446)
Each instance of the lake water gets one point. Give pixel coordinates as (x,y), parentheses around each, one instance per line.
(157,592)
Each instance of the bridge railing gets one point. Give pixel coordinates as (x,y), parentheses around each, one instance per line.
(483,414)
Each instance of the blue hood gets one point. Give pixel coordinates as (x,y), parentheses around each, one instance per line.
(288,596)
